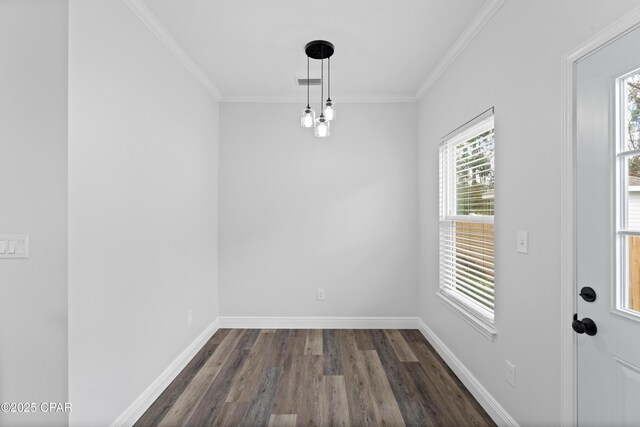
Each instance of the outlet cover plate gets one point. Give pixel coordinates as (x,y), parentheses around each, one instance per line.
(510,374)
(523,242)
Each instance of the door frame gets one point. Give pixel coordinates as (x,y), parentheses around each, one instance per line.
(568,242)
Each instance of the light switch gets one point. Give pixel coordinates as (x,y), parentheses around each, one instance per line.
(523,242)
(14,246)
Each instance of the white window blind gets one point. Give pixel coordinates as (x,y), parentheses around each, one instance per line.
(467,254)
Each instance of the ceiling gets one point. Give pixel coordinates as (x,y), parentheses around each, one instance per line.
(254,49)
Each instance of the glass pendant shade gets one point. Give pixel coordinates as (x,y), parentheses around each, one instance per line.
(329,111)
(322,127)
(308,118)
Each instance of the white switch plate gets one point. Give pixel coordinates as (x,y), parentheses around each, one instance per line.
(523,242)
(320,294)
(14,246)
(510,374)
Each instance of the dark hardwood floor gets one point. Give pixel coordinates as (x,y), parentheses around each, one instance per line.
(330,377)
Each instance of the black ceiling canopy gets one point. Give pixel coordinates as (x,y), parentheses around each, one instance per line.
(319,49)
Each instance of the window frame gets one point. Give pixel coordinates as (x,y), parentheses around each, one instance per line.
(476,314)
(622,229)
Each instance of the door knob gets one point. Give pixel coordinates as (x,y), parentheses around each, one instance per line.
(584,326)
(588,294)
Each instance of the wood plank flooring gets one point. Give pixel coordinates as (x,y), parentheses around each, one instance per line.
(316,377)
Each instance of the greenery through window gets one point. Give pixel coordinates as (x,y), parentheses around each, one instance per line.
(475,176)
(633,120)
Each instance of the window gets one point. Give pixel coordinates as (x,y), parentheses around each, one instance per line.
(467,255)
(628,196)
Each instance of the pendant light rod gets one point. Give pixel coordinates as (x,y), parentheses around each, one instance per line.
(308,82)
(321,82)
(328,78)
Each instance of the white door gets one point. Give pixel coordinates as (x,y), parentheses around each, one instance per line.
(608,234)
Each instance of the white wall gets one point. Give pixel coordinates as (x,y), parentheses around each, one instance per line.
(514,65)
(143,180)
(33,155)
(299,213)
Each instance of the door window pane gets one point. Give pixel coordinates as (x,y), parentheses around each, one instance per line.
(631,94)
(631,292)
(629,196)
(631,191)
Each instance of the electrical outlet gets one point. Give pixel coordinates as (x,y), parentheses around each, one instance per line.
(320,294)
(523,242)
(510,374)
(189,316)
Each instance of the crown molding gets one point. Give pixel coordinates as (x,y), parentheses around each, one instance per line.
(140,9)
(474,27)
(298,100)
(149,19)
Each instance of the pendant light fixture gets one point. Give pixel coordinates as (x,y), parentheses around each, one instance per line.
(329,112)
(308,115)
(321,50)
(322,124)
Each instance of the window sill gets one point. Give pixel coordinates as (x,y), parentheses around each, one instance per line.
(454,304)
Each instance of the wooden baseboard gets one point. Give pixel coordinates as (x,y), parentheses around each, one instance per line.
(151,393)
(319,322)
(486,400)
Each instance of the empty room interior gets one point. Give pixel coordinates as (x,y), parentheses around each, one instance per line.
(336,213)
